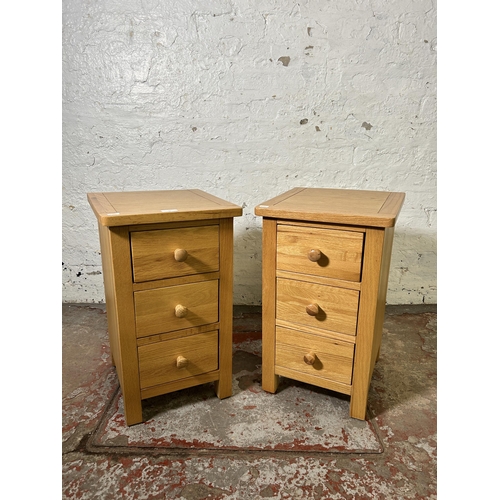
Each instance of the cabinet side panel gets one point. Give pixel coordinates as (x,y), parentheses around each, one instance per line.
(368,306)
(223,386)
(269,379)
(382,295)
(124,327)
(110,298)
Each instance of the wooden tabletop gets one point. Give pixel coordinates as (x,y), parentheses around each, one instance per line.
(147,207)
(340,206)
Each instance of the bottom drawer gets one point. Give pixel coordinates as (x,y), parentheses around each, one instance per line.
(314,355)
(179,358)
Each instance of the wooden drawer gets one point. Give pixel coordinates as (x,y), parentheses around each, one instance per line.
(330,359)
(337,308)
(154,252)
(177,359)
(340,252)
(157,311)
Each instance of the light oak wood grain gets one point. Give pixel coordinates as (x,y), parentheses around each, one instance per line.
(149,207)
(352,285)
(326,383)
(368,307)
(177,385)
(223,385)
(115,250)
(338,307)
(154,252)
(171,225)
(321,252)
(177,245)
(270,380)
(321,225)
(371,315)
(177,334)
(339,206)
(182,280)
(159,363)
(317,331)
(381,297)
(341,302)
(155,309)
(332,359)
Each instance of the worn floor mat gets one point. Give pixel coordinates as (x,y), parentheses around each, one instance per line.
(298,418)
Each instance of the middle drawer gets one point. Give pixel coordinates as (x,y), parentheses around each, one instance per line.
(320,306)
(176,307)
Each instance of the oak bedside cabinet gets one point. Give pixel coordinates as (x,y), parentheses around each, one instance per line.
(325,266)
(167,260)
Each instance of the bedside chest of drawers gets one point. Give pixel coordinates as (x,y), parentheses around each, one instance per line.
(325,267)
(167,260)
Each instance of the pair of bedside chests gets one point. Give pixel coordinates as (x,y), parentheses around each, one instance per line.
(167,259)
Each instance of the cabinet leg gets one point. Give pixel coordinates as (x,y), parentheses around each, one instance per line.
(359,401)
(270,380)
(357,410)
(133,409)
(270,383)
(224,386)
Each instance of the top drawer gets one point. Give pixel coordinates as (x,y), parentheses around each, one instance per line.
(321,252)
(169,253)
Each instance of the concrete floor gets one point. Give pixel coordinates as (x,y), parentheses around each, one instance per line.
(392,455)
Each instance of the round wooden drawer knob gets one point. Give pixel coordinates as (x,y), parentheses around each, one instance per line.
(181,311)
(182,362)
(310,358)
(314,255)
(180,254)
(312,309)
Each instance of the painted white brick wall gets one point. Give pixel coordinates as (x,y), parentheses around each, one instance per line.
(247,99)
